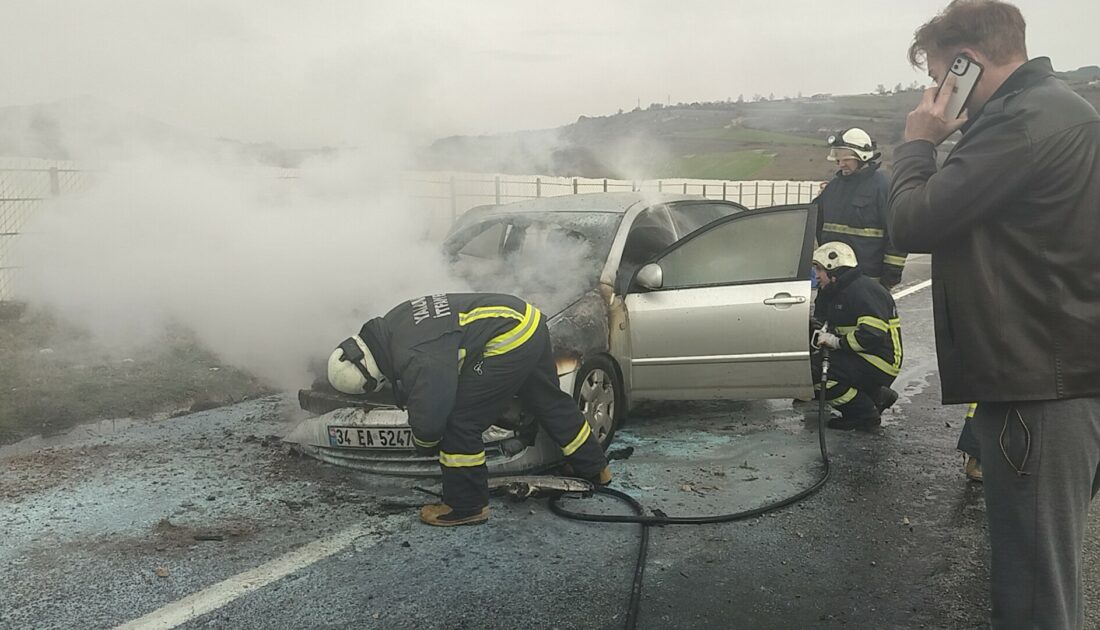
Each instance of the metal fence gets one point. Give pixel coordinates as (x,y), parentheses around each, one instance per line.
(26,184)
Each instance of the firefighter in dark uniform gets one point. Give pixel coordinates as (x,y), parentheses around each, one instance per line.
(860,326)
(853,206)
(455,361)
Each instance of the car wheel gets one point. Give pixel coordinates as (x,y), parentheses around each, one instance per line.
(599,393)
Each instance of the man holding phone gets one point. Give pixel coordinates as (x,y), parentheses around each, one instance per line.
(1012,219)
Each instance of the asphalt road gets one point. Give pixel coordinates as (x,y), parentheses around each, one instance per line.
(207,521)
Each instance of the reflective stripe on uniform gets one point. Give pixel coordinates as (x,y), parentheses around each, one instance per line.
(844,398)
(971,410)
(515,337)
(897,261)
(423,443)
(853,343)
(894,328)
(840,228)
(461,460)
(486,312)
(582,436)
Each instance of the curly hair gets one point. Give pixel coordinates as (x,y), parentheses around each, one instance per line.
(995,28)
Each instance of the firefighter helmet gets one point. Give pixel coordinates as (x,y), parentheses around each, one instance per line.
(855,140)
(352,368)
(834,255)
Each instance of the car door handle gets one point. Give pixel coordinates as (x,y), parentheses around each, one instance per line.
(784,298)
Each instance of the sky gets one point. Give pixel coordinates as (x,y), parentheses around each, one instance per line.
(340,72)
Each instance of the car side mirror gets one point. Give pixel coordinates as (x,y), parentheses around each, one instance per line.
(651,277)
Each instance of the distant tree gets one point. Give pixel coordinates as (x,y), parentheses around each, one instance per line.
(620,111)
(915,86)
(656,106)
(771,96)
(756,98)
(740,98)
(897,88)
(800,94)
(881,89)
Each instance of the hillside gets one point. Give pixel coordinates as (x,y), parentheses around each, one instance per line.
(777,139)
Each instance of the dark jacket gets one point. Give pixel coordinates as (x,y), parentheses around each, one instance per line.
(863,314)
(422,345)
(852,209)
(1012,219)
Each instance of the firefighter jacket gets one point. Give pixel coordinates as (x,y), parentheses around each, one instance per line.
(863,314)
(422,345)
(1012,219)
(852,209)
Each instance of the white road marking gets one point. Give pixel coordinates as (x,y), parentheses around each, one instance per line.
(222,593)
(912,289)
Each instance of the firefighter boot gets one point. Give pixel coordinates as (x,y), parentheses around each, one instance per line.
(850,423)
(973,468)
(441,515)
(603,478)
(884,398)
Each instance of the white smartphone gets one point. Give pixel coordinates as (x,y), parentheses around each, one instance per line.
(967,72)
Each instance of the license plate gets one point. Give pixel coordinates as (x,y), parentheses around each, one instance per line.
(360,437)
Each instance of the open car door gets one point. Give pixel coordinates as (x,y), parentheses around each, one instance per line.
(724,312)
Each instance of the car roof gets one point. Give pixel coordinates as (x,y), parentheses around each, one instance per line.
(616,202)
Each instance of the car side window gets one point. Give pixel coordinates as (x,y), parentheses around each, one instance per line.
(485,245)
(689,216)
(752,248)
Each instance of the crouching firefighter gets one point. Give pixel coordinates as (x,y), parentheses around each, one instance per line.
(454,362)
(863,333)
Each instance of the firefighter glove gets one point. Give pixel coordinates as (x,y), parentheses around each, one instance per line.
(825,339)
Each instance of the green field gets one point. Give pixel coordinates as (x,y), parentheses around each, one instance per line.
(745,135)
(730,165)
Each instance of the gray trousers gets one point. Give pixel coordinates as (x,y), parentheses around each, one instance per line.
(1041,466)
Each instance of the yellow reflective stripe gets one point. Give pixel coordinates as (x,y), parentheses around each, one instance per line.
(971,410)
(844,330)
(461,358)
(874,322)
(853,343)
(878,362)
(898,261)
(582,435)
(846,397)
(461,460)
(840,228)
(515,337)
(486,312)
(424,444)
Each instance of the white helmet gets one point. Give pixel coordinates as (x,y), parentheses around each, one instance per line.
(833,255)
(352,368)
(855,140)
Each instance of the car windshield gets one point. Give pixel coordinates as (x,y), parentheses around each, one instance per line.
(547,258)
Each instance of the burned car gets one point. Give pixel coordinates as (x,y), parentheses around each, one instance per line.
(648,297)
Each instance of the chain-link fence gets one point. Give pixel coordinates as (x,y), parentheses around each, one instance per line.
(26,184)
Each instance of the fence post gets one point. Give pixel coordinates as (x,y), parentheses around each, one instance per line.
(538,186)
(771,202)
(454,201)
(605,184)
(756,195)
(633,185)
(660,186)
(685,188)
(723,191)
(786,193)
(704,190)
(55,183)
(574,185)
(496,189)
(740,193)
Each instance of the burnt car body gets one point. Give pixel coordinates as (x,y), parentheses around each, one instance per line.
(648,297)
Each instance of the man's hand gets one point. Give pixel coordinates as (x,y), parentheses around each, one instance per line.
(927,121)
(825,339)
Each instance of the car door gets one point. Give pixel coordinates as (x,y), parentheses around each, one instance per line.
(726,311)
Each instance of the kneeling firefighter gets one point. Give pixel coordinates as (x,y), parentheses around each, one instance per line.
(860,326)
(454,362)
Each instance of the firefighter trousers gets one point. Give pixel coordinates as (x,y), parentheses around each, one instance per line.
(485,389)
(852,382)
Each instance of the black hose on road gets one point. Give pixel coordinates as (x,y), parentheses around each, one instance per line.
(645,521)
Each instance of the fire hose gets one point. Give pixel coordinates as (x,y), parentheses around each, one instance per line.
(646,521)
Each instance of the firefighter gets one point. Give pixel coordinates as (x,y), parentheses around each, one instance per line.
(860,326)
(853,207)
(454,362)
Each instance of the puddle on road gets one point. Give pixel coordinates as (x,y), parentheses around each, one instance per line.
(105,428)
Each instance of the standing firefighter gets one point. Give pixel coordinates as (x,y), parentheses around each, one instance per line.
(853,207)
(455,361)
(862,329)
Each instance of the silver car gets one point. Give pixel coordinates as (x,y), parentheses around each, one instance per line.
(654,297)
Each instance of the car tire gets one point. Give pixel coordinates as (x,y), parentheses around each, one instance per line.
(598,391)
